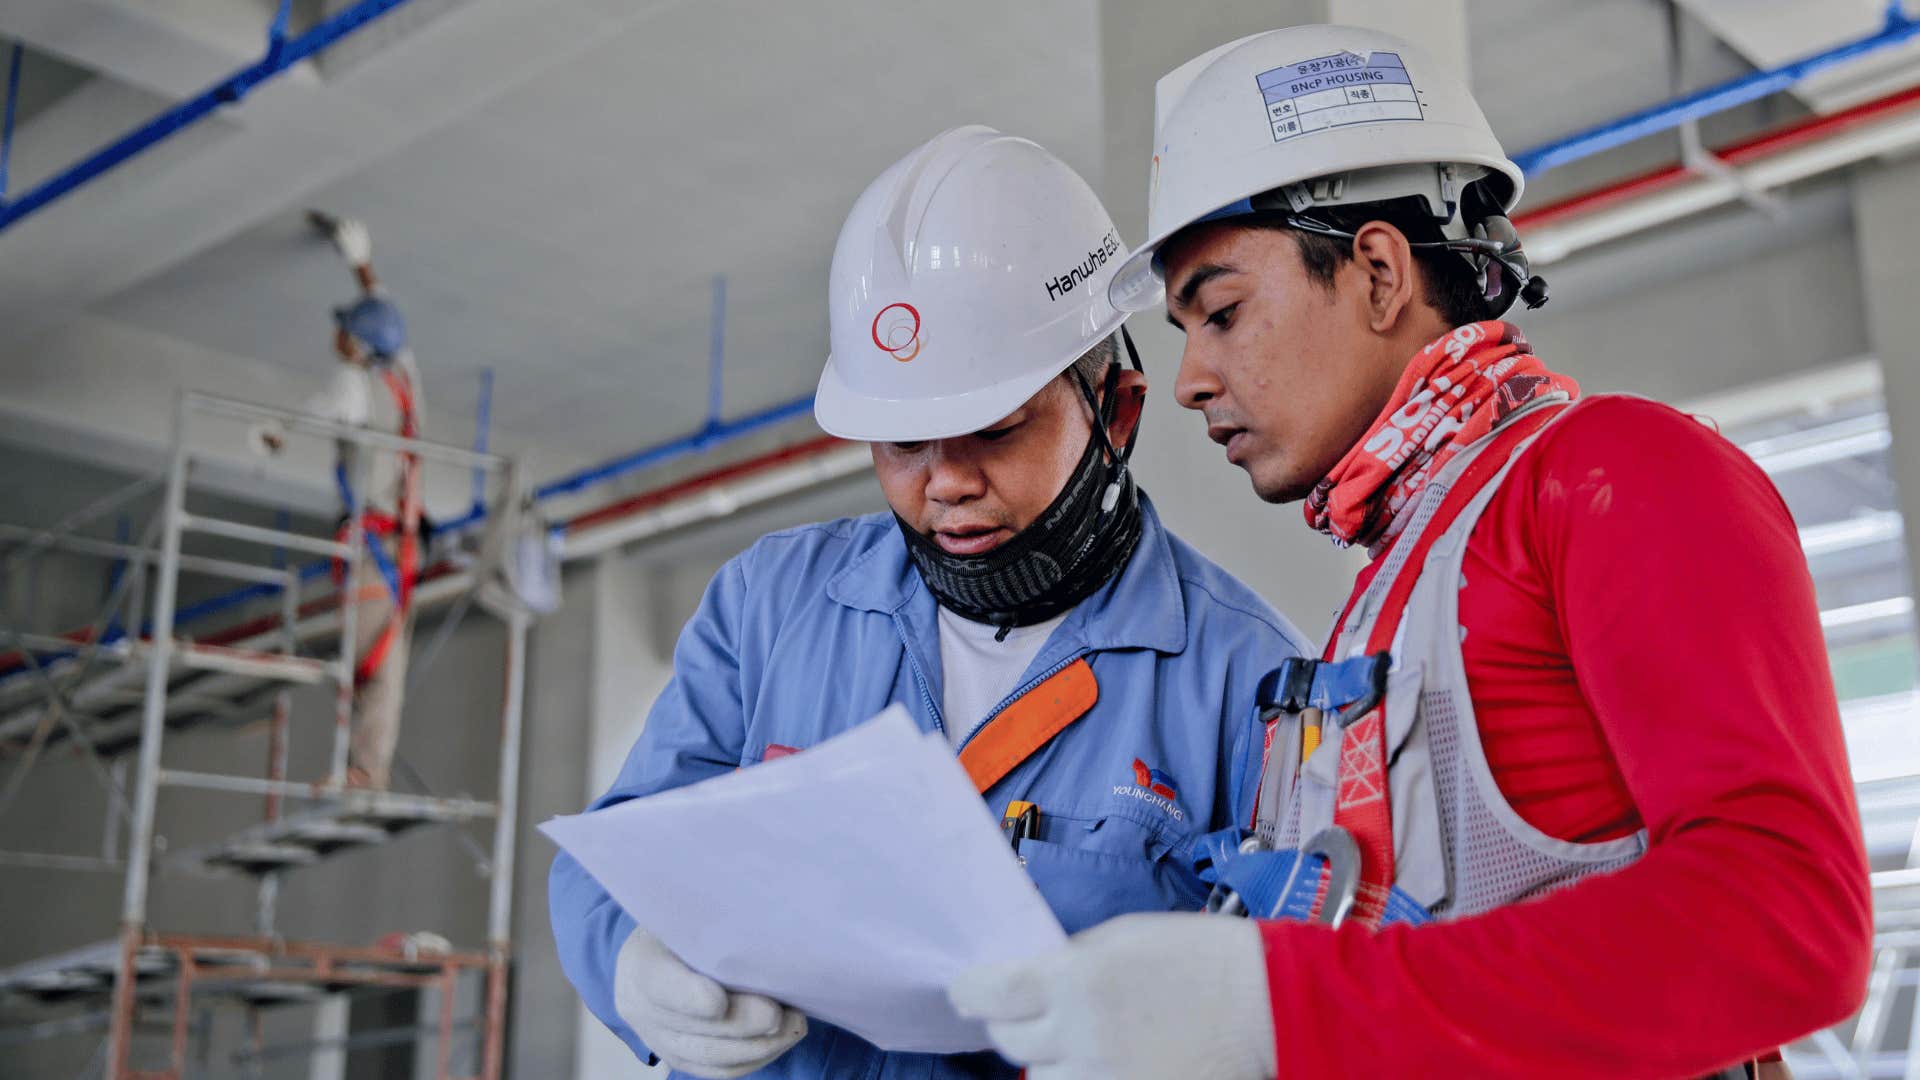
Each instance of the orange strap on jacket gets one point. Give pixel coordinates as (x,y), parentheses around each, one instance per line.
(1029,724)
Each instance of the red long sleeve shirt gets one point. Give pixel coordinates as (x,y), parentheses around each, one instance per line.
(1643,650)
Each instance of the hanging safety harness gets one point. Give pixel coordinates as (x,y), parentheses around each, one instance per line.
(402,572)
(1375,801)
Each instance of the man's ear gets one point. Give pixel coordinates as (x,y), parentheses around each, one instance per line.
(1382,253)
(1130,397)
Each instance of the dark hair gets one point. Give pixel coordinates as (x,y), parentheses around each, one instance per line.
(1093,364)
(1448,283)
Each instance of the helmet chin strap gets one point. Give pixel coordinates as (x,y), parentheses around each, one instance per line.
(1487,240)
(1104,407)
(1076,545)
(1495,244)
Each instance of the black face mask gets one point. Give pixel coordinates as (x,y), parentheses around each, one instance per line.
(1082,539)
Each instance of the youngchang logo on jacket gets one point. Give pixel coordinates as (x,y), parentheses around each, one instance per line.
(1061,284)
(1153,787)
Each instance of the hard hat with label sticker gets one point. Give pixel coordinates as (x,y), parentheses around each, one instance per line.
(1369,114)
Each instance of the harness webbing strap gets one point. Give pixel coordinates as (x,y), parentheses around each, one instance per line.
(405,528)
(1029,724)
(1362,801)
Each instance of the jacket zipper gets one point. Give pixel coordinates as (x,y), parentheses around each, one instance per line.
(919,676)
(926,692)
(1017,695)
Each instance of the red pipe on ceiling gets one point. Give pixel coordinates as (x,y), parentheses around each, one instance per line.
(1738,153)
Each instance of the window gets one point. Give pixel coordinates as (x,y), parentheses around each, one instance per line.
(1825,441)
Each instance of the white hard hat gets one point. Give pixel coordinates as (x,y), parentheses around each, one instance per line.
(1365,111)
(971,273)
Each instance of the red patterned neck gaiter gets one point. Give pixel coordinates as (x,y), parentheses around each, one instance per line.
(1453,393)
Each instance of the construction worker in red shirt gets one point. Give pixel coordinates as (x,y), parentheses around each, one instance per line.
(1566,794)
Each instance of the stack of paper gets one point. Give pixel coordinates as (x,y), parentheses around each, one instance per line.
(852,881)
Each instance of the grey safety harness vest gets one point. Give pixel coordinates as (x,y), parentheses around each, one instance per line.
(1459,847)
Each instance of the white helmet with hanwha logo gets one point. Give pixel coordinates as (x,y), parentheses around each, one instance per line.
(971,273)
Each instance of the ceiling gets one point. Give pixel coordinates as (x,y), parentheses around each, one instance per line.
(552,185)
(566,233)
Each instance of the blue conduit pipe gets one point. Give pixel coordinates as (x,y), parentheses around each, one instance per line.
(277,31)
(6,121)
(1898,29)
(282,53)
(482,420)
(227,601)
(713,435)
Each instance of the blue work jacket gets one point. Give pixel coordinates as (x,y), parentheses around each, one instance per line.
(815,629)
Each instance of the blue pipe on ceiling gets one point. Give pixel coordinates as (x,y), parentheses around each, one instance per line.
(1896,30)
(282,53)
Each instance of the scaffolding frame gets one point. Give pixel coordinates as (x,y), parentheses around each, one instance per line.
(269,660)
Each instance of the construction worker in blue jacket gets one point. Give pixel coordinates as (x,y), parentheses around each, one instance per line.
(1023,597)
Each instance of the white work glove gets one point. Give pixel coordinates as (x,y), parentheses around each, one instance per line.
(694,1024)
(1140,996)
(353,241)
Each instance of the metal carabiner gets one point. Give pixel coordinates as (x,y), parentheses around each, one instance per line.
(1342,855)
(1222,900)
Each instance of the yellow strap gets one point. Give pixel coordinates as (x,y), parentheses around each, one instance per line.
(1310,720)
(1029,724)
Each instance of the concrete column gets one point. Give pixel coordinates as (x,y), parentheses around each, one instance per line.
(470,1002)
(628,670)
(559,707)
(1889,249)
(330,1026)
(632,662)
(1205,500)
(426,1018)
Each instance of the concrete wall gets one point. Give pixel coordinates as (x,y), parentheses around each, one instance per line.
(1889,253)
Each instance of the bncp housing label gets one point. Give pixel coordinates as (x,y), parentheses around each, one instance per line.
(1332,91)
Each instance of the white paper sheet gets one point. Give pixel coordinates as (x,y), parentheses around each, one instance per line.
(852,881)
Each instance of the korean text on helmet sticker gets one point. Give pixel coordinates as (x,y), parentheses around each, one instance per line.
(1334,91)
